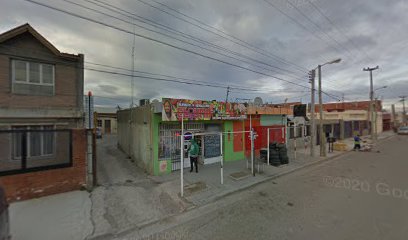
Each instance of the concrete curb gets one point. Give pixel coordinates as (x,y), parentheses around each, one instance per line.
(225,194)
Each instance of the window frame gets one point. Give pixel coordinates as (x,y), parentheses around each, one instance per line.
(28,136)
(27,78)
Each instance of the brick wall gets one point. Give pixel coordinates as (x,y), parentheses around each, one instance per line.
(37,184)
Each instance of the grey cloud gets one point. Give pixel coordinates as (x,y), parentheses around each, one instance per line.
(375,27)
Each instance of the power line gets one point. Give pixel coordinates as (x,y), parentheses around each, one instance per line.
(299,24)
(161,42)
(35,52)
(338,29)
(240,42)
(176,32)
(172,78)
(317,26)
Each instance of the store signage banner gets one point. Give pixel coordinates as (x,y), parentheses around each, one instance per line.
(174,109)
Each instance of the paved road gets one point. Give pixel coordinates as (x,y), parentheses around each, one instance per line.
(358,196)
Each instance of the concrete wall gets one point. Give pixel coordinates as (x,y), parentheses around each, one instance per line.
(135,135)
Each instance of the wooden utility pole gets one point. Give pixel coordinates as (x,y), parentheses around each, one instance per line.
(371,110)
(404,113)
(394,119)
(312,112)
(322,134)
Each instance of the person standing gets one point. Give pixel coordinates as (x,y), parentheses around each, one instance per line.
(193,150)
(357,142)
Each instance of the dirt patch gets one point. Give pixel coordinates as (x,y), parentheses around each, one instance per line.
(194,187)
(239,175)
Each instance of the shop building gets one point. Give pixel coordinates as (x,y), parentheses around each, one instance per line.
(150,134)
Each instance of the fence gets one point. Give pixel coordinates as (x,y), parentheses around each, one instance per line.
(27,149)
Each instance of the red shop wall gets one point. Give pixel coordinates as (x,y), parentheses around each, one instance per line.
(261,141)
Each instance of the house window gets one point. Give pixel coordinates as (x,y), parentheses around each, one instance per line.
(32,78)
(39,144)
(99,123)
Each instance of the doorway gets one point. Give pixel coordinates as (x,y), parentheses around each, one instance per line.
(107,126)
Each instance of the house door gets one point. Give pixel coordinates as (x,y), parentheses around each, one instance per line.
(107,126)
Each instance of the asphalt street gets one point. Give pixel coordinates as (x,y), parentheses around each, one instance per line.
(361,195)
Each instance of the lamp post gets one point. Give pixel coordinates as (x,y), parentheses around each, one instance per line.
(322,137)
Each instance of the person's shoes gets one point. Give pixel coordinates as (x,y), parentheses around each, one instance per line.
(196,171)
(191,170)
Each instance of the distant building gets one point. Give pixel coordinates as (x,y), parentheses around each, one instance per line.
(106,120)
(346,119)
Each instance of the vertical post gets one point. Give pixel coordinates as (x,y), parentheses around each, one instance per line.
(372,107)
(304,137)
(89,160)
(375,118)
(322,140)
(250,129)
(222,159)
(90,175)
(312,115)
(23,149)
(295,140)
(94,157)
(404,113)
(394,123)
(252,152)
(267,145)
(371,110)
(182,157)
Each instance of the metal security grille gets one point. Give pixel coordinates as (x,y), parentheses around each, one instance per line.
(169,141)
(33,148)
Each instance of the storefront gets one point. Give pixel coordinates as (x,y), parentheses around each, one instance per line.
(151,135)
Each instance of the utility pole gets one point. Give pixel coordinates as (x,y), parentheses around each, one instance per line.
(133,68)
(394,119)
(322,135)
(312,75)
(404,113)
(226,99)
(371,111)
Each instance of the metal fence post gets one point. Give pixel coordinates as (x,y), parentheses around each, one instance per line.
(222,160)
(24,150)
(267,147)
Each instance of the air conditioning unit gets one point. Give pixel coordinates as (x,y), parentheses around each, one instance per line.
(143,102)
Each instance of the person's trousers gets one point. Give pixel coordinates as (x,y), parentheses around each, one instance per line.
(193,160)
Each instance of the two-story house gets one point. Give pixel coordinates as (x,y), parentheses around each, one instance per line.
(39,85)
(41,103)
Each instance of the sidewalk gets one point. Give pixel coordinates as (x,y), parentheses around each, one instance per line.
(205,186)
(126,201)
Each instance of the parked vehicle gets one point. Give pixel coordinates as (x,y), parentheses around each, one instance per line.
(4,217)
(403,130)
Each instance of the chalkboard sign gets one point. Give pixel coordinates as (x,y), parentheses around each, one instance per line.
(212,146)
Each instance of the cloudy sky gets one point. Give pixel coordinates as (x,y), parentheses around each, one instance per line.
(258,47)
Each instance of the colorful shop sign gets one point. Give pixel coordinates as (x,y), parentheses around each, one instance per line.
(174,109)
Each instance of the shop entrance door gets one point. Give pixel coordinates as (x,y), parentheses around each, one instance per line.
(212,144)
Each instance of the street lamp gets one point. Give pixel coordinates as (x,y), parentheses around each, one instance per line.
(380,88)
(322,137)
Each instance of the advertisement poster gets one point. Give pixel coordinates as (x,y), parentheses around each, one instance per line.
(174,109)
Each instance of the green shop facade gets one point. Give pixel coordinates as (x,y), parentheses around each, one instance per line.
(151,134)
